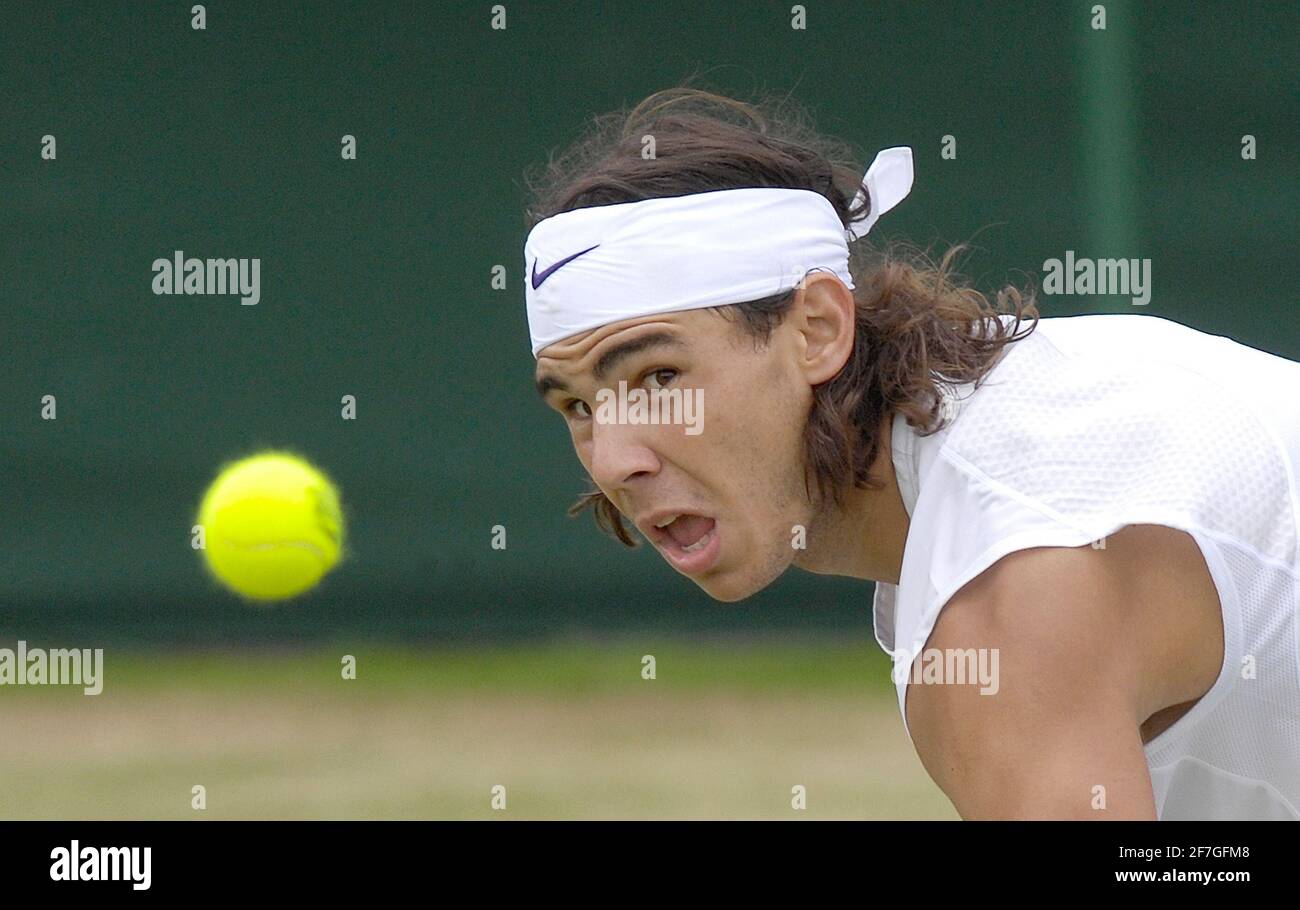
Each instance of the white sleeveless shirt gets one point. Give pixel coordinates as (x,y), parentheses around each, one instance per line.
(1097,422)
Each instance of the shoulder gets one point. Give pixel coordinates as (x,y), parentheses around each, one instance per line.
(1090,643)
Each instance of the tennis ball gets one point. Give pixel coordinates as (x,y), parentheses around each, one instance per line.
(272,526)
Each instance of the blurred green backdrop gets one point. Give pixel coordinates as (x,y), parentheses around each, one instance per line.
(375,272)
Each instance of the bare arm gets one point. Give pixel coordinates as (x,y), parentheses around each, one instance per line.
(1081,665)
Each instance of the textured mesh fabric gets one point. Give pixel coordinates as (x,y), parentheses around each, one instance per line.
(1097,422)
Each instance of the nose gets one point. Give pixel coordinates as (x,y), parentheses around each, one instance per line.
(620,455)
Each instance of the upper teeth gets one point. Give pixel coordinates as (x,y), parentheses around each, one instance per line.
(667,521)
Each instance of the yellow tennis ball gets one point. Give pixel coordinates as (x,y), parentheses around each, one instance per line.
(272,526)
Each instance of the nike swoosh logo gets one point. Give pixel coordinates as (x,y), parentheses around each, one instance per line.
(547,273)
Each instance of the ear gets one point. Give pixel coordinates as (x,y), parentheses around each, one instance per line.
(823,317)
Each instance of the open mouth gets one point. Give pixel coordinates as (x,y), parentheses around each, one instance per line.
(689,541)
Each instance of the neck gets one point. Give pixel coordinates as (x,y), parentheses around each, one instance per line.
(864,537)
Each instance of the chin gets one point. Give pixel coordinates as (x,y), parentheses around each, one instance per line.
(729,587)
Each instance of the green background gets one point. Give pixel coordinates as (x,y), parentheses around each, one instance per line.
(375,272)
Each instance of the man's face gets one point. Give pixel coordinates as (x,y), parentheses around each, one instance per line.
(736,486)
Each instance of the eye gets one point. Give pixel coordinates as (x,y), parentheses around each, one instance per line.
(661,377)
(577,408)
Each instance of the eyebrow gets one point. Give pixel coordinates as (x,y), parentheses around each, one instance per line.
(548,383)
(610,358)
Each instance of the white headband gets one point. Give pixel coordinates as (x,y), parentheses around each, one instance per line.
(592,266)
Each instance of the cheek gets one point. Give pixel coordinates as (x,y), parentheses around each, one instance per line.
(774,414)
(761,430)
(755,395)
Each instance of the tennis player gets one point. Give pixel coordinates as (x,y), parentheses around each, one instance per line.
(1106,506)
